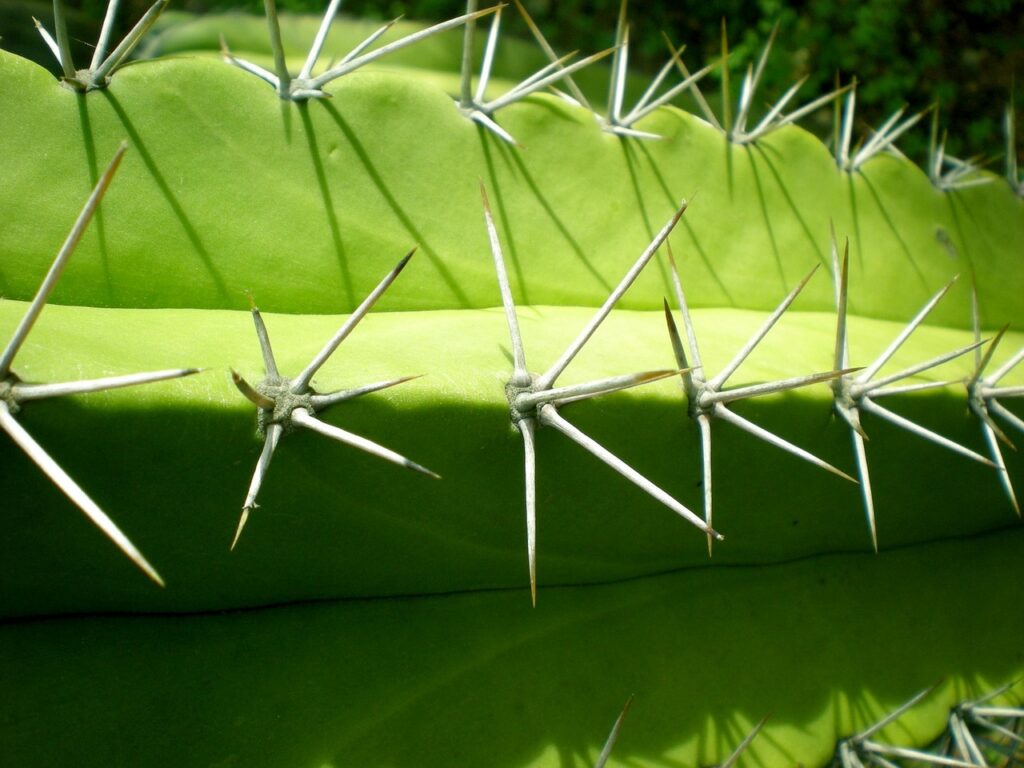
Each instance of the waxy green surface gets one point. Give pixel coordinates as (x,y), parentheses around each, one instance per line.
(227,188)
(171,462)
(826,646)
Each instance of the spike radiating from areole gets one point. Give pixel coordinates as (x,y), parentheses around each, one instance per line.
(706,399)
(881,140)
(285,403)
(534,400)
(774,117)
(103,65)
(618,120)
(307,85)
(853,395)
(950,173)
(983,393)
(14,392)
(475,105)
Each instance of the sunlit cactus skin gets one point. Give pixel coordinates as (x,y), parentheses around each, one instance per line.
(373,616)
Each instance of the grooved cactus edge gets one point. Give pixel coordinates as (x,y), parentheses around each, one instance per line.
(742,406)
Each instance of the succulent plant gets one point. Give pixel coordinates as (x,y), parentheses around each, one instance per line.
(637,281)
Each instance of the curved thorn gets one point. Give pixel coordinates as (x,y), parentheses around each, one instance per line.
(250,393)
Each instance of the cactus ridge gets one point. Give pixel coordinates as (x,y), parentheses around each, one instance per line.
(360,166)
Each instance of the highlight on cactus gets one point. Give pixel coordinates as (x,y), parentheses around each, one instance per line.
(828,298)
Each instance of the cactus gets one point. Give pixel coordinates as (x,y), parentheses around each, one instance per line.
(707,314)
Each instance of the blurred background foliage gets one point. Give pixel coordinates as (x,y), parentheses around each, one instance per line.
(963,55)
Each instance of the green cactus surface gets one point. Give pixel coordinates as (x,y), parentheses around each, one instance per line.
(359,614)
